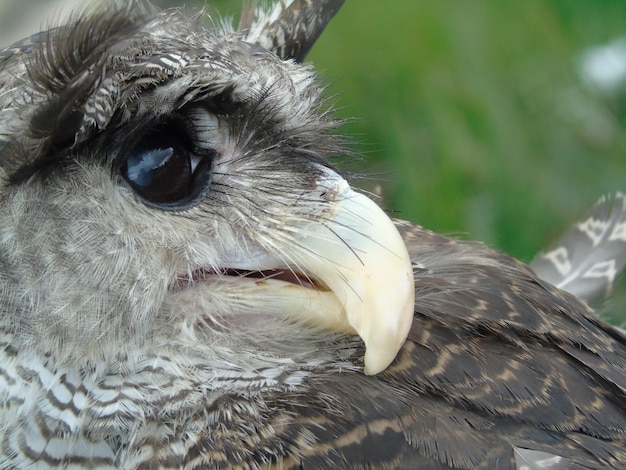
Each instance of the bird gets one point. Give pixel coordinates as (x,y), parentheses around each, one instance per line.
(188,279)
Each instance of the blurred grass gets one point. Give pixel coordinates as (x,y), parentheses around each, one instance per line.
(475,116)
(472,116)
(475,113)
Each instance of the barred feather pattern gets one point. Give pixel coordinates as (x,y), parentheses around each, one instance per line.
(588,258)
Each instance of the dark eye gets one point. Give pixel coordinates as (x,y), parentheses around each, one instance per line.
(163,170)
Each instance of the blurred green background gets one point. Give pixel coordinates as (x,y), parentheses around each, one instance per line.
(473,117)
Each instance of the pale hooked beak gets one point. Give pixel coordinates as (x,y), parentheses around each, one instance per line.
(366,265)
(355,250)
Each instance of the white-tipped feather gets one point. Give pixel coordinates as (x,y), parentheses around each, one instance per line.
(590,256)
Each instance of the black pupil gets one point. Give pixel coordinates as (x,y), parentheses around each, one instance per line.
(159,169)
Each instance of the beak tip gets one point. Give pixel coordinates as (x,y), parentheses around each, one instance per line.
(383,346)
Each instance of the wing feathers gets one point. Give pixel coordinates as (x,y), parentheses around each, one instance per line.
(588,258)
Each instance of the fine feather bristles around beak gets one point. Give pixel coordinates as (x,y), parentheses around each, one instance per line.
(348,271)
(368,268)
(370,274)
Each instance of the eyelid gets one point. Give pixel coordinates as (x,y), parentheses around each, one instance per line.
(203,127)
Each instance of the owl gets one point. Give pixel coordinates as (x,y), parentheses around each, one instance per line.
(189,280)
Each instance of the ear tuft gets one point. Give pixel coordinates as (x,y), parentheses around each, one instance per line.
(290,28)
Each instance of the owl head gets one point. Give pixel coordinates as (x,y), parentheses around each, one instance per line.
(163,183)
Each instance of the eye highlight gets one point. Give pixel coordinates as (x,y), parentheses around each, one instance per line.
(164,170)
(159,169)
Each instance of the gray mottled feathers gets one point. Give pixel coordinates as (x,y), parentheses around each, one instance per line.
(115,354)
(590,256)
